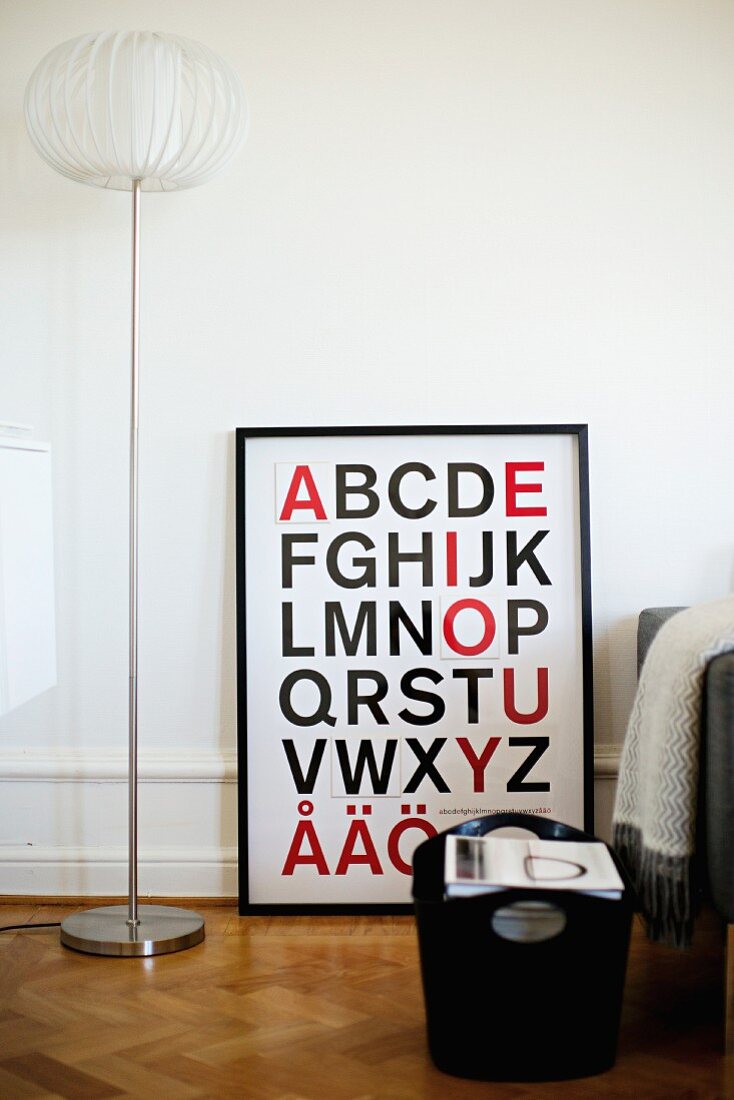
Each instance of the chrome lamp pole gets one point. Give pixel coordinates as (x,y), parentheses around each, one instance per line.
(134,111)
(132,794)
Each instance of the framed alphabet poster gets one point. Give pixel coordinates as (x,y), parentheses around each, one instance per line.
(414,649)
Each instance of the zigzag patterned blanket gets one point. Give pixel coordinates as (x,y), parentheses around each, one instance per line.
(655,810)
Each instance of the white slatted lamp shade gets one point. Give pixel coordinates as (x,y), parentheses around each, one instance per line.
(106,109)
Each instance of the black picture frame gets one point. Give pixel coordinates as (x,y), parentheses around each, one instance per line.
(247,441)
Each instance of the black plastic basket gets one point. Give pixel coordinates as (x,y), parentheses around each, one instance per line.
(499,1008)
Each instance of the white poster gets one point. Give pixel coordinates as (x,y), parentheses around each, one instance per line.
(414,637)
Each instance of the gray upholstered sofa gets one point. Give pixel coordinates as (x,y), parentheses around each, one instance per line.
(716,804)
(716,798)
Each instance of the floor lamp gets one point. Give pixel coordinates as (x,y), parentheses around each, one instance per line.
(134,111)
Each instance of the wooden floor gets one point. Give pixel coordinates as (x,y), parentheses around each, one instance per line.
(308,1009)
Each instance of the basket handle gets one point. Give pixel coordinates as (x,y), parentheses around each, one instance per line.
(544,827)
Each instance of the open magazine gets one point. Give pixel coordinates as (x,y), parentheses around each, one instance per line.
(481,864)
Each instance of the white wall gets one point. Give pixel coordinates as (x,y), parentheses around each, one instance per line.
(447,212)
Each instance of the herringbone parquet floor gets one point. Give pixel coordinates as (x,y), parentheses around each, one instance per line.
(307,1009)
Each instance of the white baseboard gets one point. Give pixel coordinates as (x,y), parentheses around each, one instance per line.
(606,761)
(63,823)
(73,799)
(88,871)
(64,766)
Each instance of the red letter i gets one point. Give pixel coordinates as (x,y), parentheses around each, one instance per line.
(451,568)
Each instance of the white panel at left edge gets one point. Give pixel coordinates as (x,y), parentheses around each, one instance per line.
(27,606)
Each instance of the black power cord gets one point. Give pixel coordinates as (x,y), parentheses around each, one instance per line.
(18,927)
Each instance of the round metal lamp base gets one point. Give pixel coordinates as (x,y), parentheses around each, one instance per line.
(160,930)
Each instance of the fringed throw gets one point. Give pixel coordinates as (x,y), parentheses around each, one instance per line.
(655,810)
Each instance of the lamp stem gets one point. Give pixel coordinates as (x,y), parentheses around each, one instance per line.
(133,696)
(120,929)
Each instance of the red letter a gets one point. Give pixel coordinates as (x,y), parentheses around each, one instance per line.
(312,503)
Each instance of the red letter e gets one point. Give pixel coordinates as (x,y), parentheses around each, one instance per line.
(512,508)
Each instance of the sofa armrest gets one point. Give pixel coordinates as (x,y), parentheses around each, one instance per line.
(718,750)
(717,761)
(648,624)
